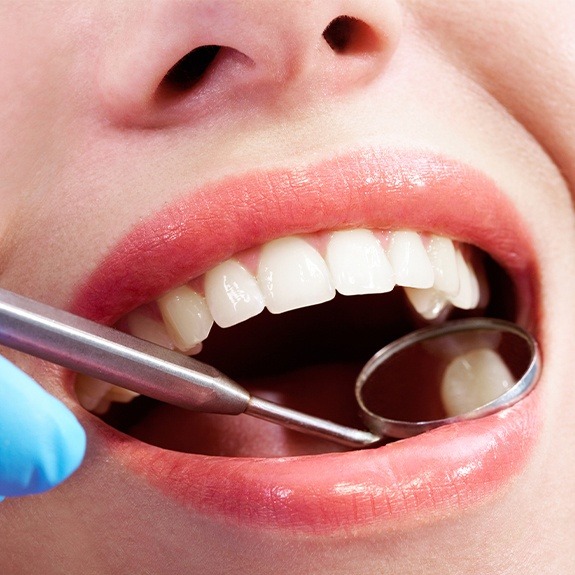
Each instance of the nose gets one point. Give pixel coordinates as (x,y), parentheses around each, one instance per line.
(172,61)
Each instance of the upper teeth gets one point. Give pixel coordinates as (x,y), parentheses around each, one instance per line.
(294,272)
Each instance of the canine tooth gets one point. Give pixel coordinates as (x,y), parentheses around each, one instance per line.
(441,252)
(409,260)
(144,326)
(186,316)
(474,379)
(429,303)
(292,274)
(232,294)
(468,295)
(358,264)
(90,391)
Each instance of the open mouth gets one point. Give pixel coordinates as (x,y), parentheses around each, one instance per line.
(288,240)
(293,321)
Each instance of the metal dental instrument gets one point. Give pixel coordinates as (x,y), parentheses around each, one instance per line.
(422,357)
(111,355)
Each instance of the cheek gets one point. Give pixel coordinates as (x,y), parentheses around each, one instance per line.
(35,105)
(522,53)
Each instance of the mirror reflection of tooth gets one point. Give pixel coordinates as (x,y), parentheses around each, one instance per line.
(409,260)
(474,379)
(90,391)
(429,303)
(232,294)
(450,347)
(292,275)
(441,253)
(358,264)
(187,317)
(143,326)
(468,295)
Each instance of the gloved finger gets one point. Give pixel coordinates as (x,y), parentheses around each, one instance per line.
(41,442)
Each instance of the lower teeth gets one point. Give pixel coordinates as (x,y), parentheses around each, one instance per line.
(97,396)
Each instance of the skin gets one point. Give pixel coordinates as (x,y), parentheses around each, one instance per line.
(90,145)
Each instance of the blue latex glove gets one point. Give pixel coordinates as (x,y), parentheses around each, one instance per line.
(41,442)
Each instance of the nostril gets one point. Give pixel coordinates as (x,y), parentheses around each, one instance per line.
(348,35)
(190,69)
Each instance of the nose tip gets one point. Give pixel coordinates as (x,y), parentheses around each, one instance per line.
(175,62)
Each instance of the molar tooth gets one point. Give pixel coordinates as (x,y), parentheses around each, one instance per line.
(409,260)
(469,294)
(187,317)
(441,252)
(474,379)
(292,274)
(358,264)
(232,294)
(429,303)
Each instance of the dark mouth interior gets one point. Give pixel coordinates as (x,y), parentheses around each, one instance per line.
(306,359)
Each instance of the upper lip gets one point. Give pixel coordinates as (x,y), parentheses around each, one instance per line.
(370,188)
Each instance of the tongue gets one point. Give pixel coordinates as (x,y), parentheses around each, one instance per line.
(325,391)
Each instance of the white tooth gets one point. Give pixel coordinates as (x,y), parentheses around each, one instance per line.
(292,274)
(441,252)
(144,326)
(102,407)
(468,295)
(474,379)
(358,264)
(187,317)
(409,260)
(90,391)
(120,394)
(232,294)
(96,395)
(429,303)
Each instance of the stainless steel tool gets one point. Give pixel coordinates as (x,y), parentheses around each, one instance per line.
(111,355)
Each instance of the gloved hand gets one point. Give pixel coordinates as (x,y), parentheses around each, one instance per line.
(41,442)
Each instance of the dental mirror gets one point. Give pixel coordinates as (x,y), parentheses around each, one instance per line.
(459,370)
(438,375)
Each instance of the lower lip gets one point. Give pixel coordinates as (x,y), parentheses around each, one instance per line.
(436,474)
(433,475)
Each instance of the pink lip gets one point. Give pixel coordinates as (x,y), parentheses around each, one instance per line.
(444,470)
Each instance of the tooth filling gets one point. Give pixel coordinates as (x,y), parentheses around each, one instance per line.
(232,303)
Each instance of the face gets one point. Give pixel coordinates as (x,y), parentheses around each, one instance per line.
(169,165)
